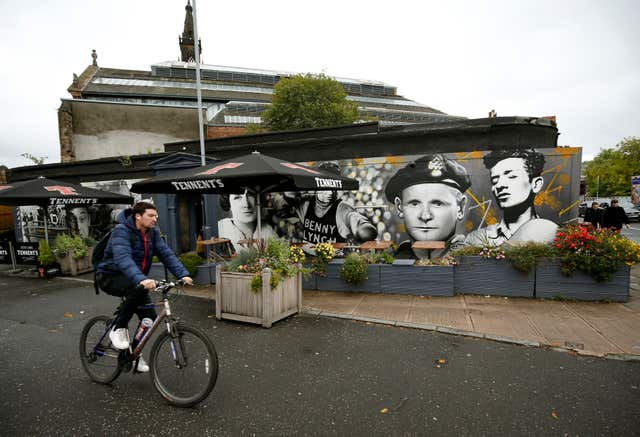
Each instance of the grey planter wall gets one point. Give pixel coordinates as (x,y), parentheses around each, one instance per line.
(477,275)
(310,282)
(417,280)
(550,283)
(333,282)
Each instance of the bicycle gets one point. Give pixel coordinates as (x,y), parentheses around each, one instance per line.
(183,361)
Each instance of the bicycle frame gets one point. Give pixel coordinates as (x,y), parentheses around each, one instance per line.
(165,315)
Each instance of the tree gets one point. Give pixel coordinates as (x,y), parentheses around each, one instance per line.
(309,101)
(614,167)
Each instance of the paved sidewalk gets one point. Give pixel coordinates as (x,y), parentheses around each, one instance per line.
(609,330)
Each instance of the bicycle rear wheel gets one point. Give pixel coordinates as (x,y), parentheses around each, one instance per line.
(99,358)
(184,369)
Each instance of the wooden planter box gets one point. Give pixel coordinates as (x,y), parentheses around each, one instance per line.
(477,275)
(72,266)
(333,282)
(416,280)
(236,301)
(551,283)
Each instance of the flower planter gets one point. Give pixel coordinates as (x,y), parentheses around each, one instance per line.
(333,282)
(551,283)
(236,301)
(72,266)
(477,275)
(416,280)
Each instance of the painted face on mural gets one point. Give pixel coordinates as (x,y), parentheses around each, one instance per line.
(82,220)
(511,184)
(243,207)
(431,211)
(326,197)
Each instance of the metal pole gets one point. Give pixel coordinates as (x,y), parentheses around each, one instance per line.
(598,187)
(196,42)
(198,87)
(46,232)
(13,256)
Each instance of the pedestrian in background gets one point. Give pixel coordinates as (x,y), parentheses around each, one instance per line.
(593,215)
(614,217)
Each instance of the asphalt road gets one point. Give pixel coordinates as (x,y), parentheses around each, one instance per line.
(304,376)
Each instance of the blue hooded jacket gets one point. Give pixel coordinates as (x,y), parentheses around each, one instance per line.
(134,260)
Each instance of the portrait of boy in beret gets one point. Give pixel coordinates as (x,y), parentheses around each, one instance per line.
(429,196)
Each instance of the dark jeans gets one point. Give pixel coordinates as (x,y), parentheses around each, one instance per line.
(135,298)
(135,302)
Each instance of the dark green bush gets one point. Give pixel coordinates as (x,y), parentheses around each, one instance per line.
(45,256)
(354,269)
(524,256)
(191,261)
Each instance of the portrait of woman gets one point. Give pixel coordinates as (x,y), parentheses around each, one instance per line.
(243,223)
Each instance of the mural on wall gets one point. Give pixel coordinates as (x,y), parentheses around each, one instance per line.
(481,198)
(87,221)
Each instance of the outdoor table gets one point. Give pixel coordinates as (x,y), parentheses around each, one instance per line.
(376,245)
(428,245)
(249,242)
(224,244)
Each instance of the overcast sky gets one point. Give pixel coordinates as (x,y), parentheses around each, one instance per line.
(577,60)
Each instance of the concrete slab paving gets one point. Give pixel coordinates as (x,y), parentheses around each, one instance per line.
(333,302)
(388,307)
(561,327)
(445,311)
(502,317)
(615,322)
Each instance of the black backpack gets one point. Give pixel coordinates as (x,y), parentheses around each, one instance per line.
(98,254)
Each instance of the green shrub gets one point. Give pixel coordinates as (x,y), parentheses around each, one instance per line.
(354,269)
(275,254)
(256,281)
(467,251)
(524,256)
(191,261)
(64,244)
(45,256)
(378,258)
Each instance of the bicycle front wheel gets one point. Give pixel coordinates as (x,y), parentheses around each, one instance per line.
(184,367)
(99,357)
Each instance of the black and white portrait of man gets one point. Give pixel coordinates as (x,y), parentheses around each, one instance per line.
(325,217)
(429,196)
(516,178)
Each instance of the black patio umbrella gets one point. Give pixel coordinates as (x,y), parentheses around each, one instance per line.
(255,173)
(44,192)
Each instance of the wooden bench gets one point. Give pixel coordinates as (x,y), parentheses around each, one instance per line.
(376,245)
(428,245)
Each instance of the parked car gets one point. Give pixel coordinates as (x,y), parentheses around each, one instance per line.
(632,211)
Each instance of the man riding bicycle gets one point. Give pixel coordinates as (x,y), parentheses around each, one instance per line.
(126,264)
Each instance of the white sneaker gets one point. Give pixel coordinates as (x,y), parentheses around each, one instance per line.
(142,366)
(119,338)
